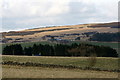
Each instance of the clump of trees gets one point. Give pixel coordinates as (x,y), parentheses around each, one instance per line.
(61,50)
(13,50)
(108,37)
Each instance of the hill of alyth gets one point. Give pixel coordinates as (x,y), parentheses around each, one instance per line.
(81,32)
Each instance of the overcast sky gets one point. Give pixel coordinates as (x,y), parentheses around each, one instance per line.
(25,14)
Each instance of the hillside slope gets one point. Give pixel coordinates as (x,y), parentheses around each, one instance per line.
(69,32)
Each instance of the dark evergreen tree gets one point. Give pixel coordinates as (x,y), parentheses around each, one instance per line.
(28,51)
(61,50)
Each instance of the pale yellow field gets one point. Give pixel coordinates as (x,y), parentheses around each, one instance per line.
(38,72)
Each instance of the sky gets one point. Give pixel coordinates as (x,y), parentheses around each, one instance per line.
(27,14)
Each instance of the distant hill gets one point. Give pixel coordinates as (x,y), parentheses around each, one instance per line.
(112,25)
(69,32)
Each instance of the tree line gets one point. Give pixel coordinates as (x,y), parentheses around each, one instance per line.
(84,50)
(108,37)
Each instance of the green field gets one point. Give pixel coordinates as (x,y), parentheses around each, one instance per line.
(110,44)
(28,44)
(100,62)
(16,71)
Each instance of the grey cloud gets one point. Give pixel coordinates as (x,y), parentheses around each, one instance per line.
(78,13)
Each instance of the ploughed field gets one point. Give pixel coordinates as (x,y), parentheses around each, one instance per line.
(59,67)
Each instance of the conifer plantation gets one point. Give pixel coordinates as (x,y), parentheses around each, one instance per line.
(83,50)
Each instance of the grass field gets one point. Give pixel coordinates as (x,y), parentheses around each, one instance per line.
(10,71)
(40,72)
(28,44)
(100,62)
(110,44)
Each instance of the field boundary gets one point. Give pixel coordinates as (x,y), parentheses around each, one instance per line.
(56,66)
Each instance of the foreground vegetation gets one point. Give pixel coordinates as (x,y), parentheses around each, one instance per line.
(40,72)
(101,63)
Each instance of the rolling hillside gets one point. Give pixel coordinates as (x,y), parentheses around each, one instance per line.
(69,32)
